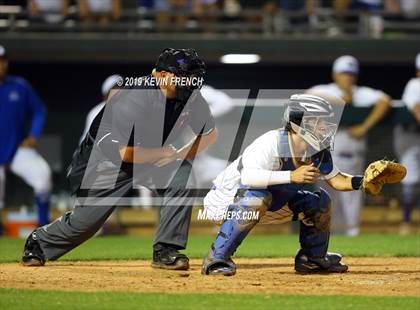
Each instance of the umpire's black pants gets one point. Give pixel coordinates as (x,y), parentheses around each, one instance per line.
(78,225)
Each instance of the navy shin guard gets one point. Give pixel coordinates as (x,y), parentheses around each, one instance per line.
(315,227)
(234,230)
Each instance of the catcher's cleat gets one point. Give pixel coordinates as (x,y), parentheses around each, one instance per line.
(170,258)
(218,267)
(32,253)
(334,258)
(328,264)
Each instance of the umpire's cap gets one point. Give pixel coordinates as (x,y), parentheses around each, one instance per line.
(3,54)
(181,62)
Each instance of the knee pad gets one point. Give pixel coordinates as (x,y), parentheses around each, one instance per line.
(253,201)
(324,201)
(317,210)
(322,218)
(315,228)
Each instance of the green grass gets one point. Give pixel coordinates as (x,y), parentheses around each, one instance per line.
(127,247)
(34,299)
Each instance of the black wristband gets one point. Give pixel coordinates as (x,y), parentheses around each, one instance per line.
(356,182)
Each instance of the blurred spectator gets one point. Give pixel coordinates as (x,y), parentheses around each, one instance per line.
(50,11)
(297,12)
(203,7)
(231,7)
(172,21)
(369,22)
(206,10)
(177,12)
(146,4)
(409,9)
(100,11)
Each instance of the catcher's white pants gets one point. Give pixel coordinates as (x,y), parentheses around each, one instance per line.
(32,168)
(349,157)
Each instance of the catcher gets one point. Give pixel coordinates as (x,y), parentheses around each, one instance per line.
(268,180)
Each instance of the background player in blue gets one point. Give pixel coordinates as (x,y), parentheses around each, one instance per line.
(268,179)
(20,104)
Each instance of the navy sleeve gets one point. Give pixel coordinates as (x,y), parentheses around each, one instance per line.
(202,121)
(323,160)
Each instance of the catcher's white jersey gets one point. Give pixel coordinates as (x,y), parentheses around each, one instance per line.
(265,153)
(259,154)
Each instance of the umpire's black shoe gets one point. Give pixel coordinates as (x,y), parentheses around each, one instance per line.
(328,264)
(166,257)
(32,252)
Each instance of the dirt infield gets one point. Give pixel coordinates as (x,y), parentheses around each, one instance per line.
(366,276)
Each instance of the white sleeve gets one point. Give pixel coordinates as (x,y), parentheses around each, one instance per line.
(262,152)
(259,160)
(219,102)
(411,95)
(366,96)
(263,178)
(89,119)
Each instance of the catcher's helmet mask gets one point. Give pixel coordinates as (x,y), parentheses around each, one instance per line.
(307,115)
(182,63)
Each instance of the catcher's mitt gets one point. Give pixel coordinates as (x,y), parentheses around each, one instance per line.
(382,172)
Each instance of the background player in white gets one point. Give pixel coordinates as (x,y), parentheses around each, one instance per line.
(209,166)
(19,103)
(106,87)
(350,141)
(407,147)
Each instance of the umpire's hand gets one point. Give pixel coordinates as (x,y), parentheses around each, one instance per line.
(169,154)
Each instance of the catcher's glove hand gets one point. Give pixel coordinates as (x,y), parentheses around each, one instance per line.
(382,172)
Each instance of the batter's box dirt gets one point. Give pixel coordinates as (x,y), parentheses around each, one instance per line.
(367,276)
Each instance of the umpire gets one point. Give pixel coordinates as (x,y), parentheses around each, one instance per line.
(130,143)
